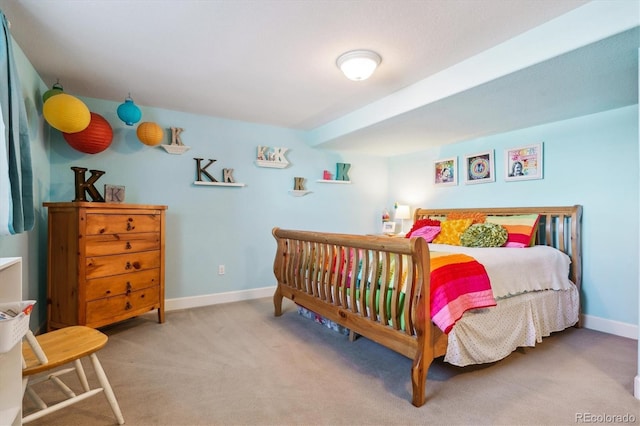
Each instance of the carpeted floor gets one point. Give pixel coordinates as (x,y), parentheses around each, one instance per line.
(237,364)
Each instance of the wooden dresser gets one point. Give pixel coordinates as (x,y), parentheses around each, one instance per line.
(105,262)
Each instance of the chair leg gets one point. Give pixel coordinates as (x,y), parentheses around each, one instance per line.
(81,376)
(106,386)
(35,398)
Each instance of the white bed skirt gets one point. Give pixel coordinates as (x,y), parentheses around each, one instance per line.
(488,335)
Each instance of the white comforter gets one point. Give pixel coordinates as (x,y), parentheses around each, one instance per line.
(517,270)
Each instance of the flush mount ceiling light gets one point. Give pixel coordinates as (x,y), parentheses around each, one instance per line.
(358,65)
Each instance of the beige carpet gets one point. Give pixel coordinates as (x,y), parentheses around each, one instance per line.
(237,364)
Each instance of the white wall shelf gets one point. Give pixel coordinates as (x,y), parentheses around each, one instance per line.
(176,149)
(271,164)
(299,193)
(332,181)
(217,183)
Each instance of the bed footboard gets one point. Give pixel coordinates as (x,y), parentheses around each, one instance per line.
(377,287)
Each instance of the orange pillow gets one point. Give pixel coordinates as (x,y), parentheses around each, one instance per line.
(476,216)
(451,230)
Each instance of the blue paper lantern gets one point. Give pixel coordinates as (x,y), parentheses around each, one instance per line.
(129,112)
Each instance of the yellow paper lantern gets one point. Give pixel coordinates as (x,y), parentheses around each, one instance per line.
(150,133)
(66,113)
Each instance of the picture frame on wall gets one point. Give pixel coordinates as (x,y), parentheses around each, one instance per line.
(523,163)
(479,168)
(445,171)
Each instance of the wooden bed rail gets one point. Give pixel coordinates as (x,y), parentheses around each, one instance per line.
(374,286)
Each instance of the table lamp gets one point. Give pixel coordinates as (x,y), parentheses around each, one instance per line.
(403,212)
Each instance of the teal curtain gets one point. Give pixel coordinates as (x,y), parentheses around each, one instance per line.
(17,212)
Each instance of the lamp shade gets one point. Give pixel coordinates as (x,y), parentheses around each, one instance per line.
(129,112)
(150,133)
(56,89)
(358,65)
(95,138)
(403,212)
(66,113)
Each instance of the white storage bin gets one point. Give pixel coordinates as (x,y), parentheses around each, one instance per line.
(12,329)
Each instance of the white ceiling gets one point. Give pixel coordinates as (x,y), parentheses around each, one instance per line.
(273,62)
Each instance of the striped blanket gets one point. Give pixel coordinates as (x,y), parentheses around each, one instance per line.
(458,283)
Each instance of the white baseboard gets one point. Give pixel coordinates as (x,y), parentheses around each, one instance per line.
(593,323)
(214,299)
(621,329)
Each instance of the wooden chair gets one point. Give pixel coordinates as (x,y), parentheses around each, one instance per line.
(55,349)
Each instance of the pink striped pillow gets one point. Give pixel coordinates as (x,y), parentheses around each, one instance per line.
(521,228)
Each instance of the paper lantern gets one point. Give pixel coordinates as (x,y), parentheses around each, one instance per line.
(150,133)
(95,138)
(66,113)
(56,89)
(129,112)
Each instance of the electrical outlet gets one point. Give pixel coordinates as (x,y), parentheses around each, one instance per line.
(220,269)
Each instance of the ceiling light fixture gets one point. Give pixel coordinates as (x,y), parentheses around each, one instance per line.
(358,65)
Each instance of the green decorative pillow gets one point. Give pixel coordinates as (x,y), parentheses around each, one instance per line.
(484,235)
(450,231)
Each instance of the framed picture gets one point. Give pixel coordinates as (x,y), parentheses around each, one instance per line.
(479,168)
(388,227)
(444,171)
(523,163)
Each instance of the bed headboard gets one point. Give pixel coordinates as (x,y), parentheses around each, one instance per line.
(558,227)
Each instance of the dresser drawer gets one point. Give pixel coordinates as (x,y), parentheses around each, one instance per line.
(100,245)
(121,306)
(121,284)
(98,223)
(104,266)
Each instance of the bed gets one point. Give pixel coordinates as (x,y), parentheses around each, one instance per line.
(470,305)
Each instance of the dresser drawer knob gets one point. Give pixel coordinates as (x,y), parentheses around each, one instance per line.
(129,226)
(127,306)
(127,266)
(127,246)
(128,287)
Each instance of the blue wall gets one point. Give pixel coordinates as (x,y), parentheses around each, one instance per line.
(592,161)
(209,226)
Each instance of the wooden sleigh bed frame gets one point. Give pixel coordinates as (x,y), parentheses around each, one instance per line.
(303,276)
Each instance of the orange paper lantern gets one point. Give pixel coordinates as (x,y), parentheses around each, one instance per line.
(95,138)
(66,113)
(150,133)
